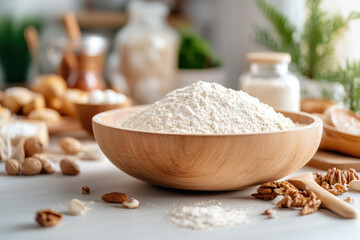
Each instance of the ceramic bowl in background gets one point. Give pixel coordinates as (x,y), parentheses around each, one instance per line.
(86,111)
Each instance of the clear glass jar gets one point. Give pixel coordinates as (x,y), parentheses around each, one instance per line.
(148,50)
(269,80)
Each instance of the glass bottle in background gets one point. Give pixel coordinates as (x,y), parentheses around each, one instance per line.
(86,58)
(148,50)
(271,81)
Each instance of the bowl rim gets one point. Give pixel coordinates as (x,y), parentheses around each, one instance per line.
(316,122)
(87,104)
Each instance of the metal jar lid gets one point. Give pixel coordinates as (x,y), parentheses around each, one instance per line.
(91,45)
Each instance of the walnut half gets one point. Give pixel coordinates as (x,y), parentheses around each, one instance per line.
(48,218)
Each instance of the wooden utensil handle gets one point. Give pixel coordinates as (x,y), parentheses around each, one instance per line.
(72,26)
(333,203)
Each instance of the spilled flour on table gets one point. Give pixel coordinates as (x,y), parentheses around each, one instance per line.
(207,108)
(213,216)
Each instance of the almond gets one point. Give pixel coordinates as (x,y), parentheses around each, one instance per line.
(114,197)
(69,167)
(71,145)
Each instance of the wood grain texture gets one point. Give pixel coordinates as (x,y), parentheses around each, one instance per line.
(206,162)
(337,141)
(343,119)
(305,181)
(325,160)
(86,111)
(315,105)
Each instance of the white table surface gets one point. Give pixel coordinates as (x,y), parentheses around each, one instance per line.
(22,196)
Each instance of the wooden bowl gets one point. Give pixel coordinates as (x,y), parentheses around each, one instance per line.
(315,105)
(207,162)
(343,120)
(86,111)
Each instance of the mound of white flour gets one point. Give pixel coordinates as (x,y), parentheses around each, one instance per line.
(208,217)
(207,108)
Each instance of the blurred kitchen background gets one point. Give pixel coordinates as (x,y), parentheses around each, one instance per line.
(228,26)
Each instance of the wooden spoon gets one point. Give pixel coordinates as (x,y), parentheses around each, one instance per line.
(72,26)
(306,182)
(32,40)
(68,62)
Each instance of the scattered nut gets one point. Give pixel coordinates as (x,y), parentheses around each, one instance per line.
(31,166)
(69,167)
(33,145)
(270,212)
(131,203)
(76,207)
(12,167)
(71,145)
(114,197)
(85,190)
(347,199)
(48,218)
(47,165)
(355,184)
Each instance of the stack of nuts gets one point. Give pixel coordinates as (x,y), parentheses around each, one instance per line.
(36,161)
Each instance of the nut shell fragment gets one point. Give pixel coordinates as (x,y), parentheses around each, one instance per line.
(85,190)
(76,207)
(131,203)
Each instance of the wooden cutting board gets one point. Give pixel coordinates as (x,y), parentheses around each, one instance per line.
(325,160)
(65,124)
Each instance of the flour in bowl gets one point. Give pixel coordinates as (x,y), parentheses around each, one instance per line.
(207,108)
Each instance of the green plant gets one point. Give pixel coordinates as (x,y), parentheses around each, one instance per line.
(195,52)
(311,50)
(349,77)
(14,54)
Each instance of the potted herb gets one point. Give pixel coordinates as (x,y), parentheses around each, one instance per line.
(14,55)
(197,61)
(312,49)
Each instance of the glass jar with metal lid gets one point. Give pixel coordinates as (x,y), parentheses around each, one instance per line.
(271,81)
